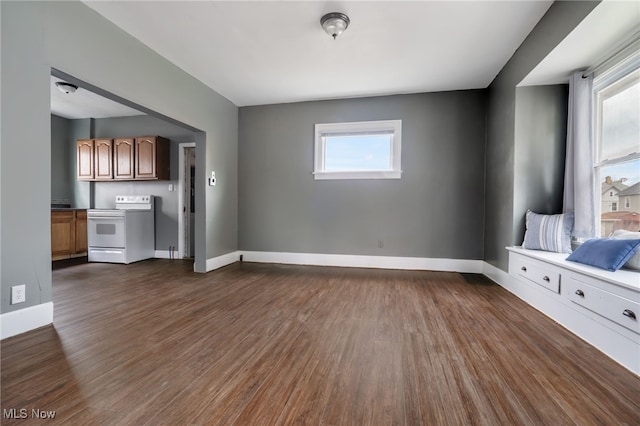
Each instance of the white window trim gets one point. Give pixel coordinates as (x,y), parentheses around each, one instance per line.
(358,127)
(606,79)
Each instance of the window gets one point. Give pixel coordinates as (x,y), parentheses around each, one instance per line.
(358,150)
(617,146)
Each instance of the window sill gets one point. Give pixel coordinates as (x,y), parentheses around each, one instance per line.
(356,175)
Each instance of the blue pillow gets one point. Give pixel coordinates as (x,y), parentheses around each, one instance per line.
(605,253)
(548,232)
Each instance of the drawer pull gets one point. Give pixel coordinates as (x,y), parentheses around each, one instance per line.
(629,313)
(580,293)
(546,278)
(524,269)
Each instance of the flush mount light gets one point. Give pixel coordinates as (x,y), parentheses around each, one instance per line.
(334,23)
(65,87)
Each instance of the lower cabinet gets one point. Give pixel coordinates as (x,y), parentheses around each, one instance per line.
(68,234)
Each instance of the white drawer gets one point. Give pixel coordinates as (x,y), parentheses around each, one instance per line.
(537,273)
(616,308)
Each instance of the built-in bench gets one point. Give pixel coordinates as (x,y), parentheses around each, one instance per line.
(601,307)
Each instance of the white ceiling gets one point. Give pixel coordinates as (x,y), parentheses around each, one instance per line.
(85,104)
(390,47)
(265,52)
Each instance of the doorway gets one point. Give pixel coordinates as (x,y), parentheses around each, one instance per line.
(186,200)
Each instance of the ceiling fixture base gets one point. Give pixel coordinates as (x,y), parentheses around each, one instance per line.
(65,87)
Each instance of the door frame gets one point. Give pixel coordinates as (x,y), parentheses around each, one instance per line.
(183,232)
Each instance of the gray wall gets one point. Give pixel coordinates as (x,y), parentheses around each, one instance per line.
(500,217)
(70,37)
(539,153)
(61,186)
(435,210)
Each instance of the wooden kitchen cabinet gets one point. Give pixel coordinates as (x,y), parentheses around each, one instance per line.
(103,159)
(152,158)
(63,234)
(68,234)
(123,150)
(81,232)
(94,159)
(140,158)
(84,160)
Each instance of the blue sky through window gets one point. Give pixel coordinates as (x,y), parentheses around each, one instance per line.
(629,171)
(358,153)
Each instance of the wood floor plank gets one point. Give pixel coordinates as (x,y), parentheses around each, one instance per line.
(153,343)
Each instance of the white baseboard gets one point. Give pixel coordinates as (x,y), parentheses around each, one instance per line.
(23,320)
(496,274)
(164,254)
(377,262)
(224,260)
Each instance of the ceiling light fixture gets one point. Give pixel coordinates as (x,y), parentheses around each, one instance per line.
(334,23)
(66,87)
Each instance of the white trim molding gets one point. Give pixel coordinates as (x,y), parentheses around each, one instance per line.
(162,254)
(181,201)
(376,262)
(224,260)
(391,129)
(27,319)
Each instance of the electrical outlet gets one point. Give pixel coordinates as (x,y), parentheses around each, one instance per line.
(18,294)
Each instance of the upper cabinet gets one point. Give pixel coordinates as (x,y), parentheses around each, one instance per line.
(85,159)
(152,158)
(103,159)
(140,158)
(123,158)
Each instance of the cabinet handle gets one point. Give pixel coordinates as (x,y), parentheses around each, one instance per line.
(629,313)
(524,268)
(546,278)
(580,293)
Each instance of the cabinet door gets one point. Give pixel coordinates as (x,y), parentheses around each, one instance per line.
(84,159)
(62,234)
(103,157)
(152,158)
(123,158)
(81,231)
(146,158)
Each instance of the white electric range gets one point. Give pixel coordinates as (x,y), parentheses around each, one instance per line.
(122,235)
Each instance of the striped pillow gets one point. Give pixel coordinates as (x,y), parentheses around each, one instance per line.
(548,232)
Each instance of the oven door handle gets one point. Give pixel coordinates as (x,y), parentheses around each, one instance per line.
(105,218)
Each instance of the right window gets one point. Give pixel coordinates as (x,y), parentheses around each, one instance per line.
(617,151)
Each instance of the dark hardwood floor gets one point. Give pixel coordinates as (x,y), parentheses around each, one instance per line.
(153,343)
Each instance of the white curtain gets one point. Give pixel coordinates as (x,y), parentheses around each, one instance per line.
(579,179)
